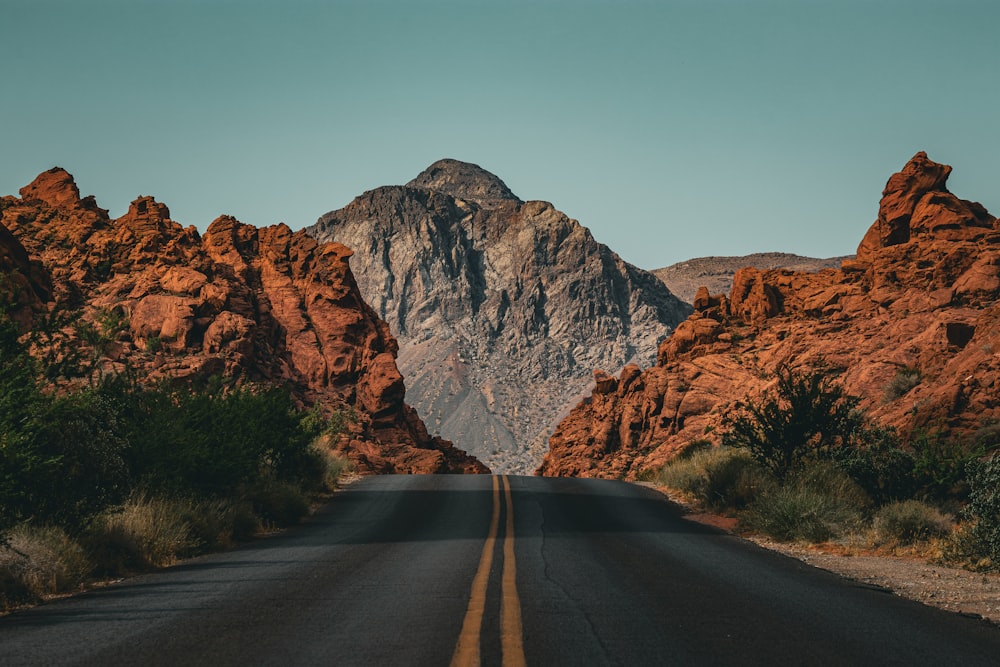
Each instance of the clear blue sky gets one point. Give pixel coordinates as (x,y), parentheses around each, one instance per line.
(672,129)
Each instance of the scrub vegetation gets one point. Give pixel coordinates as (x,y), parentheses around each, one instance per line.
(804,463)
(107,476)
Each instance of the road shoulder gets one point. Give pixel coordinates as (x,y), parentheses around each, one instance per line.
(911,577)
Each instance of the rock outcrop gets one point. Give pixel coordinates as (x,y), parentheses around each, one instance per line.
(257,305)
(920,298)
(502,308)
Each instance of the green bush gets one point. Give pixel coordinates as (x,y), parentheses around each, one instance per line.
(804,418)
(941,465)
(77,467)
(278,503)
(202,464)
(219,523)
(909,521)
(818,505)
(687,471)
(881,467)
(61,457)
(983,509)
(210,443)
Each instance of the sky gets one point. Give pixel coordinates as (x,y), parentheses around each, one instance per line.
(672,129)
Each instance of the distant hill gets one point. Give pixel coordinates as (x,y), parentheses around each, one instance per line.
(716,273)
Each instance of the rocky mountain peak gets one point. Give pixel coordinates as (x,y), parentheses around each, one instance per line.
(916,202)
(56,187)
(145,214)
(463,180)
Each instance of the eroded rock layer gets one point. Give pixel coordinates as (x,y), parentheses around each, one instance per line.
(502,307)
(920,298)
(261,305)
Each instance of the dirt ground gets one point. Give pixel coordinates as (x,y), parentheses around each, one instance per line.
(909,576)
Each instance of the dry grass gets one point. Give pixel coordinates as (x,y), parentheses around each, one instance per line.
(818,504)
(145,533)
(719,478)
(40,561)
(908,522)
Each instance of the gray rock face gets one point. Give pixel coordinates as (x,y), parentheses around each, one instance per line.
(502,308)
(464,181)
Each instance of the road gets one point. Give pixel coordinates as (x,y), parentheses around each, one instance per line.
(501,570)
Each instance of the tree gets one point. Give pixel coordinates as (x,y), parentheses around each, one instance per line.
(806,416)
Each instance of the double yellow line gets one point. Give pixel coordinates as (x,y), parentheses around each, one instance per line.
(511,636)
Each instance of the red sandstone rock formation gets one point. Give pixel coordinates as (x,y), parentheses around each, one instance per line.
(265,305)
(922,294)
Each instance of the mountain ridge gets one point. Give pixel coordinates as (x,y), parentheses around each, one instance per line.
(716,272)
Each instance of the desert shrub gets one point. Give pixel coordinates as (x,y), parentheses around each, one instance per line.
(902,383)
(333,467)
(278,503)
(687,471)
(880,467)
(45,560)
(826,478)
(983,510)
(206,455)
(721,478)
(941,465)
(820,504)
(908,521)
(805,417)
(734,482)
(146,532)
(13,590)
(987,438)
(218,523)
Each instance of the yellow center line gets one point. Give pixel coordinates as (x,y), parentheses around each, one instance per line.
(467,650)
(511,634)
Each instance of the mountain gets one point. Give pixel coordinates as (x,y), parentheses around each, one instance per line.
(918,303)
(255,305)
(502,307)
(716,273)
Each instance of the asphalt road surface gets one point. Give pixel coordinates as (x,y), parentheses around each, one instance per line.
(494,570)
